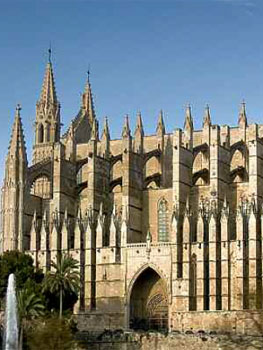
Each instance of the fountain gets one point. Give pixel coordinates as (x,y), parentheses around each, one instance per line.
(11,323)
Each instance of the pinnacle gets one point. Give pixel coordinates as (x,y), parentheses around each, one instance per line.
(148,236)
(66,215)
(34,217)
(79,216)
(139,125)
(188,124)
(87,101)
(17,145)
(94,130)
(48,93)
(44,219)
(101,209)
(243,107)
(207,117)
(106,131)
(242,120)
(160,123)
(126,132)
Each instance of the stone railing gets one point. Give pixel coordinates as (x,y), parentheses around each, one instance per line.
(155,244)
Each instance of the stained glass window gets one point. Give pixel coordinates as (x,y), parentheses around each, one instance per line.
(162,221)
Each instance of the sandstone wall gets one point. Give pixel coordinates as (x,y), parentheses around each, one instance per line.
(180,342)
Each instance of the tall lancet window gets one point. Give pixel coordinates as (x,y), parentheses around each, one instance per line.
(40,133)
(163,234)
(48,133)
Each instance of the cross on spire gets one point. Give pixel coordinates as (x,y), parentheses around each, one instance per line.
(18,107)
(88,72)
(49,53)
(87,99)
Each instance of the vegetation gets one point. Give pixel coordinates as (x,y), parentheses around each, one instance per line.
(52,334)
(39,296)
(29,306)
(20,264)
(63,277)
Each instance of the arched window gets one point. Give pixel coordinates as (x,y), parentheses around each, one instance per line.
(48,133)
(40,133)
(163,233)
(238,166)
(152,166)
(116,170)
(200,168)
(41,187)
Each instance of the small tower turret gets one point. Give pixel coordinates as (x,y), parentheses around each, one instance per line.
(13,190)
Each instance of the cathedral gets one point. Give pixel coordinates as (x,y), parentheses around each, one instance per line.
(167,228)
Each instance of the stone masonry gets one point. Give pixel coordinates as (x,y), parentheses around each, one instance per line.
(167,228)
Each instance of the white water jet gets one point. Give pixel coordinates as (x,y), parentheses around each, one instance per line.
(11,320)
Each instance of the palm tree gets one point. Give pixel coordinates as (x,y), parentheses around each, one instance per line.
(64,276)
(29,305)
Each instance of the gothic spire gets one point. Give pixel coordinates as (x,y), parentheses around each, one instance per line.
(126,132)
(106,131)
(47,125)
(17,147)
(138,135)
(139,127)
(94,130)
(242,119)
(48,93)
(160,124)
(188,123)
(207,117)
(105,139)
(87,101)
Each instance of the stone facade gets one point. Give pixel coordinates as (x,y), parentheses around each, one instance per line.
(167,228)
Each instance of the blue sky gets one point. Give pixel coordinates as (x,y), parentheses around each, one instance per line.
(144,55)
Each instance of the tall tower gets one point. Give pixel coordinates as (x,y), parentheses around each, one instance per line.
(47,125)
(13,190)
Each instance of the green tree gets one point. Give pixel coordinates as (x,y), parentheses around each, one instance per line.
(21,265)
(63,277)
(29,306)
(51,334)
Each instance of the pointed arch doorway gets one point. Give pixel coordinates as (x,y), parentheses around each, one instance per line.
(149,302)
